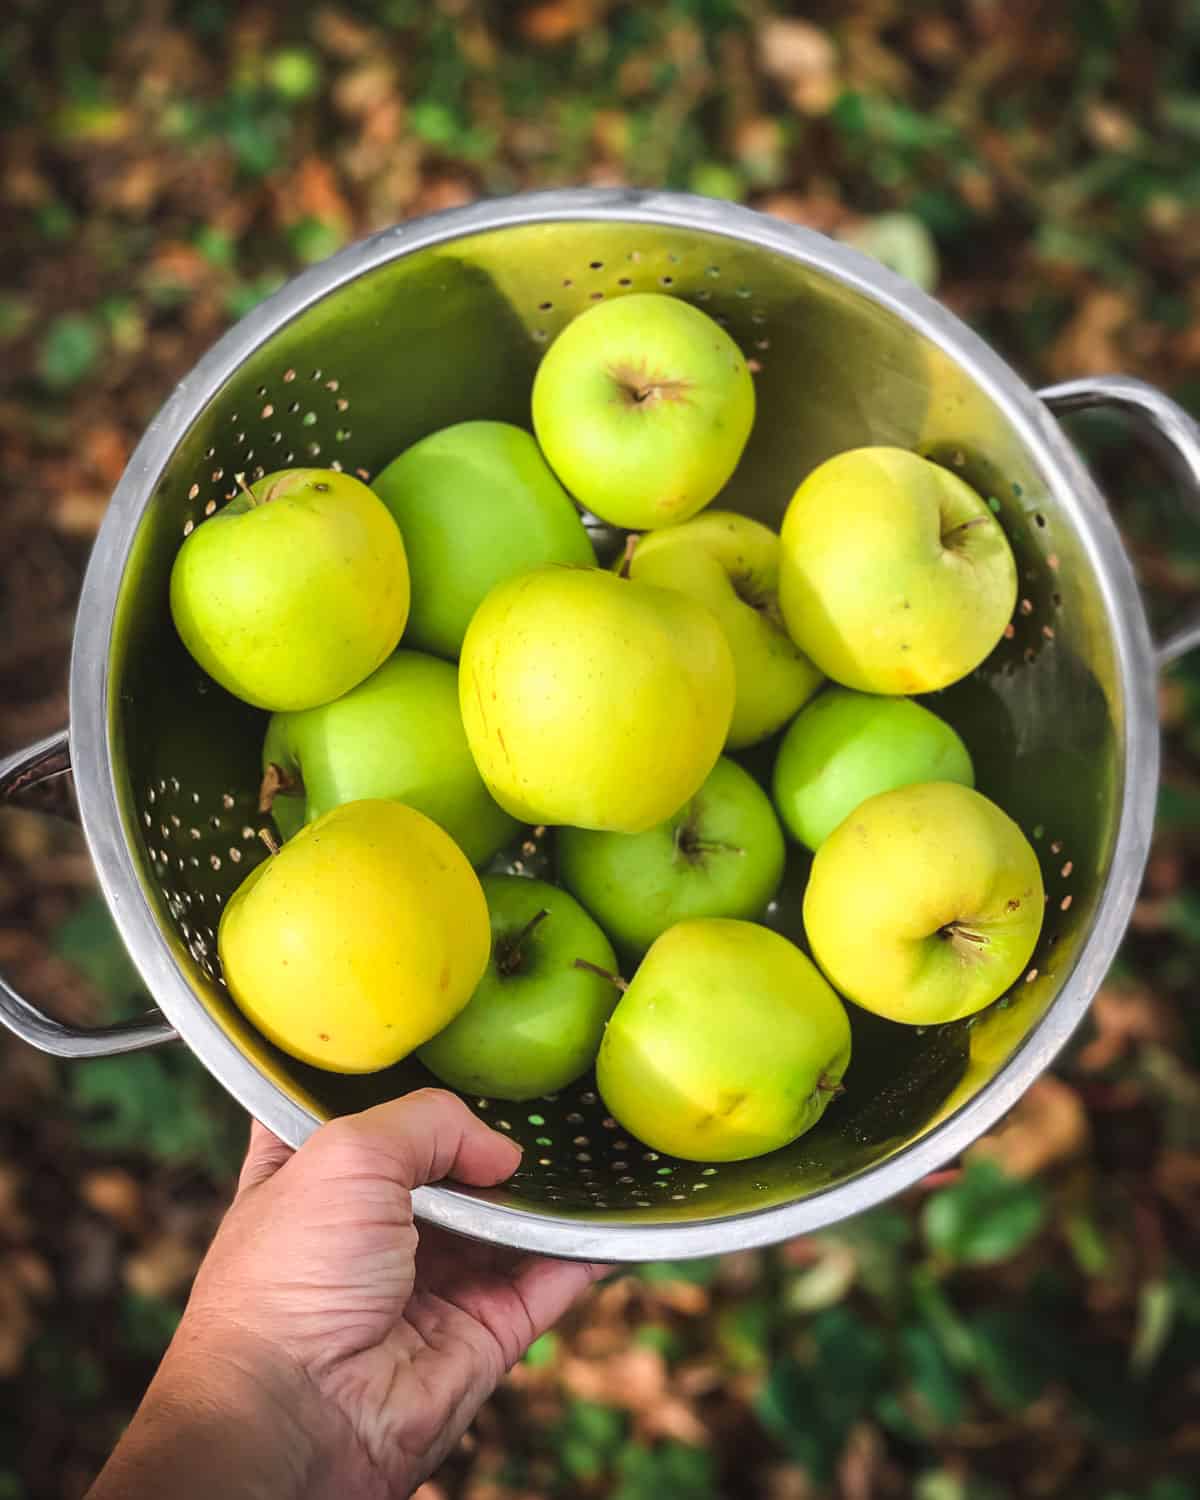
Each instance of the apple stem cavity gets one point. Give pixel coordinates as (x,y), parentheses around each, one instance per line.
(509,951)
(636,387)
(621,984)
(631,545)
(270,840)
(831,1086)
(690,846)
(956,531)
(277,782)
(967,943)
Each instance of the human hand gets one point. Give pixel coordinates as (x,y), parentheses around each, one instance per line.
(329,1347)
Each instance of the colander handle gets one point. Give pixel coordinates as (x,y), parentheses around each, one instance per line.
(39,776)
(1172,430)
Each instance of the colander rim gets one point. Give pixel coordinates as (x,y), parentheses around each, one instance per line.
(601,1236)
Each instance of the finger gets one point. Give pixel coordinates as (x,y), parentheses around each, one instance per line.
(539,1291)
(265,1154)
(423,1137)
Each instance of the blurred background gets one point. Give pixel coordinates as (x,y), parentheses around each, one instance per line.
(1026,1324)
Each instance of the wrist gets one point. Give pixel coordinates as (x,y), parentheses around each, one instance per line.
(227,1415)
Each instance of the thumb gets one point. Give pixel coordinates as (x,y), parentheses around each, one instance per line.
(423,1137)
(265,1154)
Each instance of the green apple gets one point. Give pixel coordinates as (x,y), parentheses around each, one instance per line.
(535,1021)
(294,591)
(727,1044)
(642,406)
(399,734)
(476,503)
(895,575)
(847,746)
(925,904)
(592,700)
(731,563)
(720,855)
(362,937)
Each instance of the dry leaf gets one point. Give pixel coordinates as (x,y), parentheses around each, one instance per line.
(1048,1125)
(803,60)
(115,1194)
(162,1267)
(1121,1016)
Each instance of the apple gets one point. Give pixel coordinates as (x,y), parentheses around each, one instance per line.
(399,734)
(720,855)
(895,576)
(476,503)
(727,1044)
(731,563)
(294,591)
(356,942)
(535,1021)
(925,904)
(592,700)
(847,746)
(642,406)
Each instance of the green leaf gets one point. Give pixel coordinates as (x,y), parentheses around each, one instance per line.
(659,1338)
(701,1272)
(933,1377)
(672,1470)
(543,1351)
(984,1217)
(69,351)
(148,1323)
(158,1104)
(743,1332)
(1155,1319)
(810,1405)
(294,72)
(88,939)
(1015,1355)
(313,240)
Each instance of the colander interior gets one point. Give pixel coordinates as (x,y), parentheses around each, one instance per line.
(455,331)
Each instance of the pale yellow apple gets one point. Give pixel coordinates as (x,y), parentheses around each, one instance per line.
(925,905)
(359,940)
(731,564)
(895,576)
(593,700)
(727,1044)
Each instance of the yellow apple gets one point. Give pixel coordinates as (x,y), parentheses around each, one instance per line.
(895,576)
(925,905)
(359,940)
(592,700)
(731,563)
(727,1044)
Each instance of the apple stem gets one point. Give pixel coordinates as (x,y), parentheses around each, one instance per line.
(631,544)
(277,782)
(964,526)
(270,840)
(824,1086)
(240,481)
(508,951)
(621,984)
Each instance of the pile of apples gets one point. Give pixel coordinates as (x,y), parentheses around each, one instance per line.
(606,706)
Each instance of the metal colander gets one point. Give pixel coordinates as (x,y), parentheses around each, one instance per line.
(446,319)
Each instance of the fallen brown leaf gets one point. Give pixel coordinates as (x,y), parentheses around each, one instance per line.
(803,60)
(1048,1125)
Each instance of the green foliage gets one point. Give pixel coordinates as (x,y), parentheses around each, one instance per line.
(159,1103)
(811,1400)
(69,351)
(147,1323)
(672,1469)
(542,1352)
(588,1439)
(984,1217)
